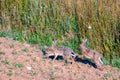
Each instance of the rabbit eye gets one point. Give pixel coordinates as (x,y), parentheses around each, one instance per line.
(73,54)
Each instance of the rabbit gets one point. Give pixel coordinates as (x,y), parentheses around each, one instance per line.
(66,52)
(91,54)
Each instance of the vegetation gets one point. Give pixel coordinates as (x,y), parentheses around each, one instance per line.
(67,21)
(19,65)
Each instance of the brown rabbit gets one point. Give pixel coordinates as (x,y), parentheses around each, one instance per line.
(91,54)
(66,52)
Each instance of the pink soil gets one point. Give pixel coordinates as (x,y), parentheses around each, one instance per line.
(35,66)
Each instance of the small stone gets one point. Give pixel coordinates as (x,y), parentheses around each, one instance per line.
(29,68)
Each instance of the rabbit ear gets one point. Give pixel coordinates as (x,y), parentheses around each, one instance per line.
(46,47)
(84,40)
(53,41)
(53,44)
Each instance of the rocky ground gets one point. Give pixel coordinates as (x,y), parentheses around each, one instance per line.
(22,61)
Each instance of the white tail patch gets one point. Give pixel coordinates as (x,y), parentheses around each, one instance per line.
(100,60)
(54,54)
(51,54)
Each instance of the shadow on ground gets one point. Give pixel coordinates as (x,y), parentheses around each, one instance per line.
(77,59)
(85,61)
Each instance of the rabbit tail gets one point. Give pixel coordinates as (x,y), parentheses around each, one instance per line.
(101,60)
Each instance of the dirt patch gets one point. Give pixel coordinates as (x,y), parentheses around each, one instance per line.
(22,61)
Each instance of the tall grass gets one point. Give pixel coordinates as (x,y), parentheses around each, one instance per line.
(67,21)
